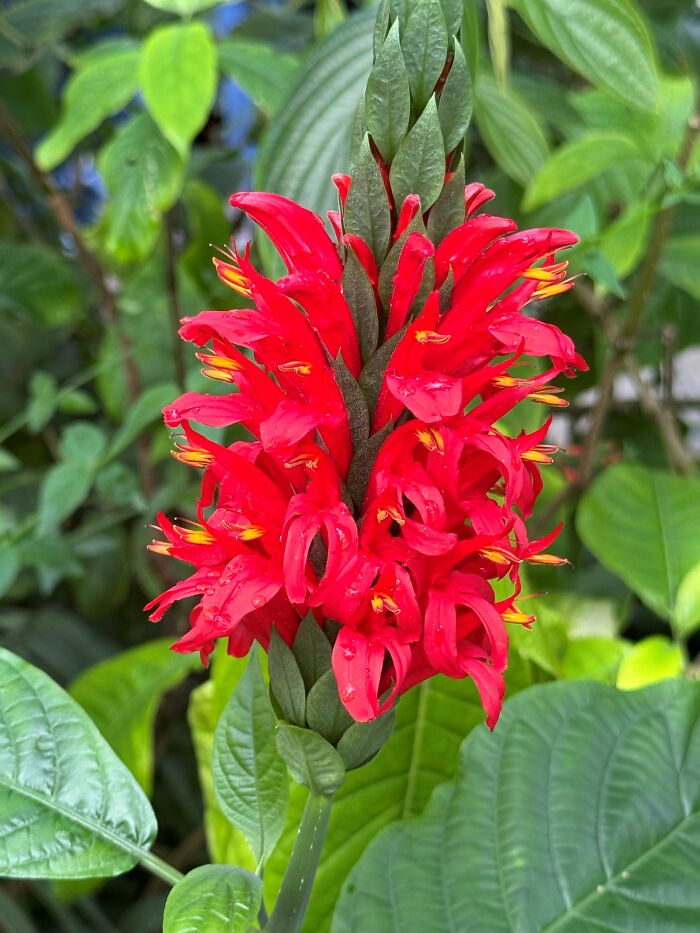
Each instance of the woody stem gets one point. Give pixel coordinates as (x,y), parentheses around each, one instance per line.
(301,870)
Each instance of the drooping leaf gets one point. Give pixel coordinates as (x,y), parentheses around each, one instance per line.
(178,79)
(182,7)
(511,131)
(250,780)
(641,523)
(265,73)
(68,807)
(212,898)
(605,838)
(606,41)
(94,92)
(121,695)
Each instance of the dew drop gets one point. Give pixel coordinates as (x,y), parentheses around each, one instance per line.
(349,653)
(351,592)
(625,875)
(173,414)
(347,693)
(210,591)
(600,888)
(259,601)
(431,510)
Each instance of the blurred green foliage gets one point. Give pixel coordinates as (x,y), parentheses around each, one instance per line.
(124,126)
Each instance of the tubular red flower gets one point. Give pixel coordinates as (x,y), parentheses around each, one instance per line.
(404,561)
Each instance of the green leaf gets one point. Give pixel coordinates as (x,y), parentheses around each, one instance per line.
(312,761)
(592,658)
(362,463)
(70,809)
(145,411)
(366,210)
(578,162)
(64,489)
(309,138)
(93,92)
(312,650)
(122,694)
(212,898)
(606,837)
(82,442)
(448,211)
(10,566)
(178,79)
(265,73)
(419,165)
(641,524)
(36,23)
(456,101)
(286,682)
(388,98)
(25,268)
(511,132)
(499,39)
(624,241)
(648,661)
(325,713)
(182,7)
(143,174)
(679,262)
(359,294)
(424,46)
(686,612)
(250,778)
(355,401)
(362,740)
(606,41)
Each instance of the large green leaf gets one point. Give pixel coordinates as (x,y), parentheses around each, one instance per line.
(260,69)
(679,262)
(431,721)
(511,132)
(94,92)
(250,778)
(642,524)
(121,696)
(68,807)
(143,174)
(604,40)
(580,812)
(178,79)
(213,898)
(309,138)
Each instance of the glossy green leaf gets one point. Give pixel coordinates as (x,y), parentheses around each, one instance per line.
(580,812)
(679,262)
(578,162)
(213,898)
(388,98)
(312,761)
(448,211)
(325,713)
(624,241)
(265,73)
(312,651)
(424,44)
(250,779)
(178,74)
(367,213)
(122,694)
(286,681)
(94,92)
(309,138)
(648,661)
(456,101)
(69,808)
(606,41)
(641,524)
(419,165)
(143,175)
(686,612)
(510,130)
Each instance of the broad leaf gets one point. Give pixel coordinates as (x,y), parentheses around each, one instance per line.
(261,70)
(68,807)
(604,40)
(387,98)
(642,524)
(121,696)
(309,138)
(511,131)
(94,92)
(424,45)
(679,262)
(652,659)
(419,165)
(250,779)
(686,612)
(178,79)
(580,812)
(213,898)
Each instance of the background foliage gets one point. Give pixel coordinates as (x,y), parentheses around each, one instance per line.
(125,125)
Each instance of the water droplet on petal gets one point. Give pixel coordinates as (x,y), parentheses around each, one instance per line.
(259,601)
(348,692)
(210,591)
(349,653)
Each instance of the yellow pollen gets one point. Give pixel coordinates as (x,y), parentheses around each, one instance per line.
(219,362)
(499,555)
(515,615)
(540,454)
(160,547)
(382,601)
(390,512)
(232,276)
(549,559)
(547,398)
(432,336)
(298,367)
(244,532)
(548,291)
(508,382)
(431,439)
(197,534)
(551,273)
(192,456)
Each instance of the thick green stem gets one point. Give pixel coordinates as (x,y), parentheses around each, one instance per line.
(299,877)
(161,869)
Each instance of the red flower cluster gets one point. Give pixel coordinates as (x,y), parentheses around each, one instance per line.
(405,572)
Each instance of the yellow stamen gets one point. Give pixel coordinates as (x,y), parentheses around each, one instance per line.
(311,463)
(231,275)
(499,555)
(431,439)
(244,532)
(549,559)
(382,601)
(298,367)
(390,512)
(220,362)
(432,336)
(540,454)
(548,291)
(547,398)
(508,382)
(192,456)
(551,273)
(515,615)
(160,547)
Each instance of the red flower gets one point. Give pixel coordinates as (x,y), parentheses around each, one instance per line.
(402,554)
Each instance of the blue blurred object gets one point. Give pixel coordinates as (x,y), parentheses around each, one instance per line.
(227,16)
(80,176)
(238,113)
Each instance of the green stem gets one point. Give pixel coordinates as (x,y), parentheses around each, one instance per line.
(299,877)
(161,869)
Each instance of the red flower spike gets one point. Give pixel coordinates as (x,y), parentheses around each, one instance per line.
(407,571)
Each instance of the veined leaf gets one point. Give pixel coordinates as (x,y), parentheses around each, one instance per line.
(213,898)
